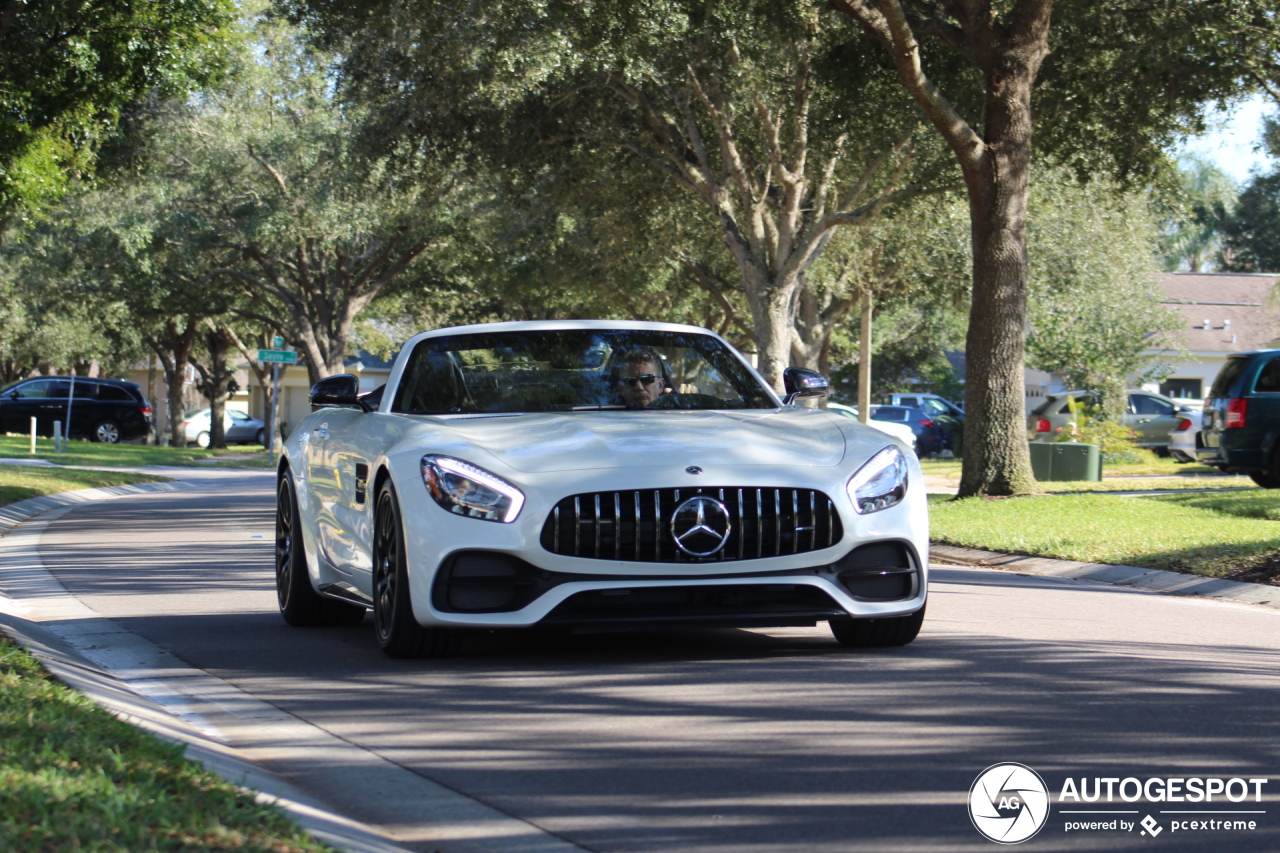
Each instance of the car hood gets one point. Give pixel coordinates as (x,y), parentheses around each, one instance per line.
(583,440)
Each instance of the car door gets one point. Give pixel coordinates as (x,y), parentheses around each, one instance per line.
(337,476)
(238,426)
(1151,419)
(85,408)
(27,401)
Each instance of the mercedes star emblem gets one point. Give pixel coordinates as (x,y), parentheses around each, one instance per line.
(693,469)
(700,526)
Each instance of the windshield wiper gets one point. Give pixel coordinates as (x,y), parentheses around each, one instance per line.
(608,407)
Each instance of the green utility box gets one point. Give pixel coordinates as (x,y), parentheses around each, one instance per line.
(1066,460)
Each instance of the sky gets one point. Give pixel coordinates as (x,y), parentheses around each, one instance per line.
(1232,139)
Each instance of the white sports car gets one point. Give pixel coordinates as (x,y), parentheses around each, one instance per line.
(593,475)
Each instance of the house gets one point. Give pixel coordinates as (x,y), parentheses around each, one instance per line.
(295,387)
(1223,313)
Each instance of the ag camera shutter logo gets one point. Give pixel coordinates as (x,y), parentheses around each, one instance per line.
(1008,803)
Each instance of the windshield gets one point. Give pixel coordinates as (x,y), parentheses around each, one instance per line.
(575,370)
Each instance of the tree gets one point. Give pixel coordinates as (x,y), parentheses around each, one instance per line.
(1253,229)
(309,234)
(67,70)
(1123,76)
(1195,232)
(732,103)
(1094,307)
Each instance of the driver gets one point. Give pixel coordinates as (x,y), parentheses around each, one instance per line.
(640,378)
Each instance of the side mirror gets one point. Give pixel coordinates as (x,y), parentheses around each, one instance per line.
(802,382)
(341,390)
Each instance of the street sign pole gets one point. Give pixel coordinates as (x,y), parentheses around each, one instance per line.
(275,402)
(70,397)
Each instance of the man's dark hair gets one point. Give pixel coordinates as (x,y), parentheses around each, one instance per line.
(638,356)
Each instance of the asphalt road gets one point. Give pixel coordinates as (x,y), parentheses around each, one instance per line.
(759,741)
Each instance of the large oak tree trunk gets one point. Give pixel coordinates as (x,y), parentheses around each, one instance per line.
(996,457)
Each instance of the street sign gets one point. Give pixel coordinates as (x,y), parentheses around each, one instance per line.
(278,355)
(277,342)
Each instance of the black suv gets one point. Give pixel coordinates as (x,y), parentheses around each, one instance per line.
(1241,427)
(105,410)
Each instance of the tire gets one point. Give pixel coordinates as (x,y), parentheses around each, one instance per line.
(398,632)
(871,633)
(1267,481)
(261,437)
(106,432)
(203,440)
(300,605)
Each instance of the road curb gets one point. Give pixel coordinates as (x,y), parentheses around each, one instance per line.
(15,513)
(228,732)
(1154,580)
(119,697)
(106,690)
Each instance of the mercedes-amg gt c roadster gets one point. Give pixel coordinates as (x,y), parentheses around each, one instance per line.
(593,475)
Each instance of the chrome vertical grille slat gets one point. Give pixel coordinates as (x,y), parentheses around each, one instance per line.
(657,526)
(742,526)
(777,522)
(604,527)
(577,527)
(637,526)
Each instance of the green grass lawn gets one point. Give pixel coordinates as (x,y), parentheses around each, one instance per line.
(18,482)
(133,455)
(1222,534)
(75,777)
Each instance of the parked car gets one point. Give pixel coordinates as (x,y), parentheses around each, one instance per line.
(593,475)
(106,410)
(237,426)
(900,431)
(927,431)
(1242,418)
(1185,441)
(947,415)
(1150,416)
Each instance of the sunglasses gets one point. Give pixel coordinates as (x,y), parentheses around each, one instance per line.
(633,381)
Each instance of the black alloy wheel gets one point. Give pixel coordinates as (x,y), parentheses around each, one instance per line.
(300,605)
(399,634)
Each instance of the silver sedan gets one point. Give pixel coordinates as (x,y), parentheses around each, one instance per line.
(237,425)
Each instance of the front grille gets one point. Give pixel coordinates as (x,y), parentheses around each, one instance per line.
(636,525)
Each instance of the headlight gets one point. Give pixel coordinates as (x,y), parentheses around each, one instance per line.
(880,483)
(467,490)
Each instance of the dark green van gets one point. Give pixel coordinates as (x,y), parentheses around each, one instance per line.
(1241,427)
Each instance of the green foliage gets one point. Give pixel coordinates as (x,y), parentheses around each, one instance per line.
(1094,308)
(1193,234)
(1253,231)
(1090,424)
(69,68)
